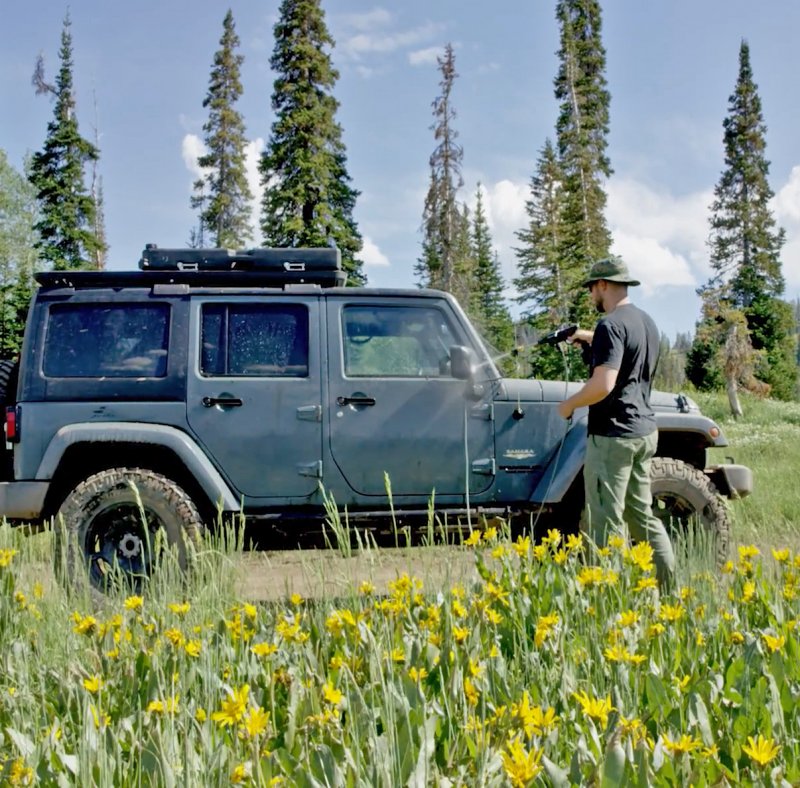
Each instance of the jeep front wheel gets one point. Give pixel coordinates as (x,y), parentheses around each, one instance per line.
(690,506)
(116,524)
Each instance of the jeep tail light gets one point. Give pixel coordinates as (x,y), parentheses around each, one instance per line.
(12,425)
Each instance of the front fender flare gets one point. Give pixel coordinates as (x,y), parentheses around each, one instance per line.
(171,438)
(565,466)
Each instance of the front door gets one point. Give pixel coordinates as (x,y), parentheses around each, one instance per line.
(397,413)
(254,393)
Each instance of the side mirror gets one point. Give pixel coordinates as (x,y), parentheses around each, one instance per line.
(462,362)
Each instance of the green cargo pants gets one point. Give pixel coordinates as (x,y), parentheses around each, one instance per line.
(617,482)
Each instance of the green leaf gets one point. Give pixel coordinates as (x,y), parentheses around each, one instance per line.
(613,765)
(697,715)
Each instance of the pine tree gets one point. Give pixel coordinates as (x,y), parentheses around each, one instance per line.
(222,194)
(67,222)
(18,258)
(582,131)
(308,199)
(443,264)
(745,247)
(542,272)
(488,307)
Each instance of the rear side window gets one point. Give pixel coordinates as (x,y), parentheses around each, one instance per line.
(254,340)
(106,340)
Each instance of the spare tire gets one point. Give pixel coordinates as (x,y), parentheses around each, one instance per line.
(689,504)
(9,375)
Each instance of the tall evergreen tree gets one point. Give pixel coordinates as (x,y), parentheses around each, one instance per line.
(67,226)
(222,194)
(308,198)
(542,271)
(488,307)
(443,263)
(18,258)
(745,246)
(582,132)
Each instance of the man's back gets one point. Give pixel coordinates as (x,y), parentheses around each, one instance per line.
(627,340)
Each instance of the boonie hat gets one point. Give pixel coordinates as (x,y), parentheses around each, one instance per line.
(612,269)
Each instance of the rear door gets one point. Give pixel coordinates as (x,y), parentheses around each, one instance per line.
(395,408)
(254,393)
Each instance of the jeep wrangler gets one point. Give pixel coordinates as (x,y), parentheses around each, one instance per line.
(255,382)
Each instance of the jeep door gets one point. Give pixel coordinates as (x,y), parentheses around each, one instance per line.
(254,395)
(395,407)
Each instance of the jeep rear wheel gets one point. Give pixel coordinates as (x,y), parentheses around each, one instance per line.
(117,523)
(690,506)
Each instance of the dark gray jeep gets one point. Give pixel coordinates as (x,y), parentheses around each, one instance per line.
(255,382)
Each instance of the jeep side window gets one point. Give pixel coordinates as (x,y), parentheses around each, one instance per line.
(397,342)
(254,340)
(106,340)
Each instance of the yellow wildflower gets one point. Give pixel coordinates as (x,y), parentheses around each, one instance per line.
(644,584)
(781,556)
(168,706)
(332,695)
(134,603)
(490,534)
(5,557)
(240,774)
(761,750)
(746,552)
(84,625)
(534,720)
(522,546)
(200,714)
(590,576)
(544,626)
(263,649)
(574,542)
(685,744)
(774,643)
(748,591)
(179,608)
(540,552)
(560,556)
(417,674)
(175,637)
(255,722)
(470,693)
(671,613)
(553,537)
(233,707)
(727,568)
(93,684)
(366,588)
(656,629)
(641,555)
(736,638)
(193,648)
(595,708)
(628,618)
(473,539)
(296,600)
(520,765)
(20,774)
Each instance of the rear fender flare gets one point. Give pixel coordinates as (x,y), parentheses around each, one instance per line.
(207,476)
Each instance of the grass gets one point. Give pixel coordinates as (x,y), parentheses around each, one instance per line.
(541,671)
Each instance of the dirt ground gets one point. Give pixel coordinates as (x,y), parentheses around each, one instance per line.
(315,573)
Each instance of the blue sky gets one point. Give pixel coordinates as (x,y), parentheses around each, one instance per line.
(141,73)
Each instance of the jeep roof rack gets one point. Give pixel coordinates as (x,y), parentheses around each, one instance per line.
(269,267)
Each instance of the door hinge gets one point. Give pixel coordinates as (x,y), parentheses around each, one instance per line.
(312,469)
(310,413)
(484,467)
(484,412)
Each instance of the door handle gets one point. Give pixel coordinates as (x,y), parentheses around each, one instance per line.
(225,402)
(355,400)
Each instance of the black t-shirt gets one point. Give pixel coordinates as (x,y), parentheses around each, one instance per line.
(626,340)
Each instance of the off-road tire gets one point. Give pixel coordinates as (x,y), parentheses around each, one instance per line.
(103,510)
(9,374)
(680,491)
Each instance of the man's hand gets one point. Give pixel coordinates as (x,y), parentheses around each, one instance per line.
(581,335)
(565,409)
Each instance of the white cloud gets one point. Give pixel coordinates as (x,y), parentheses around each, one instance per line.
(787,214)
(192,148)
(377,17)
(371,254)
(424,57)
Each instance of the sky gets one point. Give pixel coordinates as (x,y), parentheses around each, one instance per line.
(141,73)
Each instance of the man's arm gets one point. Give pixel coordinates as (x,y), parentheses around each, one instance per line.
(597,388)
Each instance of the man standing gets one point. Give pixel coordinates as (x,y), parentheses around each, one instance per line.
(622,426)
